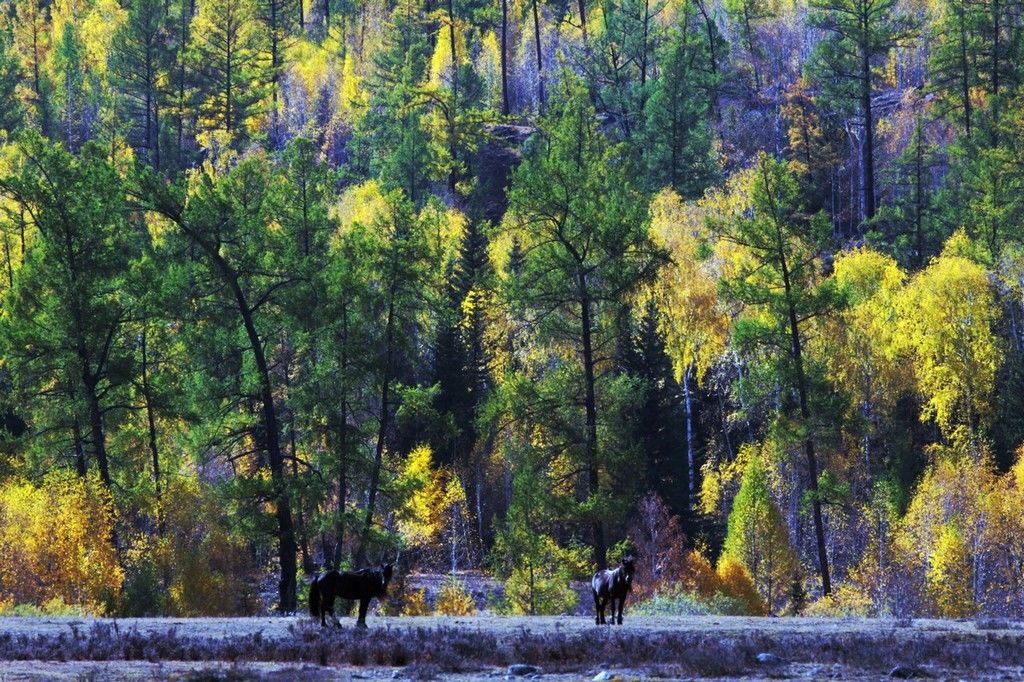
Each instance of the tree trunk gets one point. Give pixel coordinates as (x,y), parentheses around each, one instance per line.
(583,22)
(300,526)
(342,428)
(965,83)
(99,446)
(691,470)
(76,434)
(868,154)
(540,58)
(919,194)
(593,482)
(274,72)
(996,26)
(270,436)
(454,112)
(709,26)
(385,399)
(796,352)
(150,414)
(749,31)
(505,109)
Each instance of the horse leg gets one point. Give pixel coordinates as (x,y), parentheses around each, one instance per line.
(622,602)
(363,605)
(334,616)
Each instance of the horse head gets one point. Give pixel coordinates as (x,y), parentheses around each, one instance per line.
(386,572)
(628,567)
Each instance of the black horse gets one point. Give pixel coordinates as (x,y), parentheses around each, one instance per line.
(361,585)
(611,586)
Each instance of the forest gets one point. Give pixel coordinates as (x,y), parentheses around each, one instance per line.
(513,287)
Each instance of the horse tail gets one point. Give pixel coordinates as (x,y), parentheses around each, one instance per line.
(314,597)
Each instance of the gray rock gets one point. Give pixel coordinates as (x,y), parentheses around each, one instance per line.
(770,659)
(603,676)
(522,670)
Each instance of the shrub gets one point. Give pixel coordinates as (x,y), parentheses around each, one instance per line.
(757,538)
(209,572)
(657,538)
(55,540)
(845,601)
(673,602)
(415,603)
(698,576)
(539,591)
(735,584)
(195,567)
(454,600)
(52,607)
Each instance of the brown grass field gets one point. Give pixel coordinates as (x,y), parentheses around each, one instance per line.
(478,647)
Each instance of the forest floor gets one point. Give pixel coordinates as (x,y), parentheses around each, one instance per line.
(478,647)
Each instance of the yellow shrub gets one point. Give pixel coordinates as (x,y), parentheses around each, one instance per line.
(950,576)
(846,600)
(209,571)
(415,604)
(735,584)
(454,600)
(699,576)
(56,543)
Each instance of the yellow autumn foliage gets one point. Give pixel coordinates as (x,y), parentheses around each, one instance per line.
(415,603)
(950,574)
(453,599)
(860,345)
(56,543)
(693,321)
(735,583)
(947,319)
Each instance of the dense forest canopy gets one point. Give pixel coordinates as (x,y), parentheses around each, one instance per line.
(517,286)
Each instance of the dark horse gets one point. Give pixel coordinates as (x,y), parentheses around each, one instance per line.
(361,585)
(612,586)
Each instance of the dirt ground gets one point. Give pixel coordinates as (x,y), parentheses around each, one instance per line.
(795,648)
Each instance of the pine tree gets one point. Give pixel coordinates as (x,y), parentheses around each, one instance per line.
(11,111)
(70,87)
(955,65)
(861,33)
(32,42)
(781,279)
(757,538)
(391,141)
(747,15)
(66,336)
(234,209)
(230,75)
(583,222)
(140,62)
(678,136)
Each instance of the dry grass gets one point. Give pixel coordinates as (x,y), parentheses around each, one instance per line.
(693,646)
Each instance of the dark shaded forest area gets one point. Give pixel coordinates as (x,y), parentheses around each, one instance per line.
(518,286)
